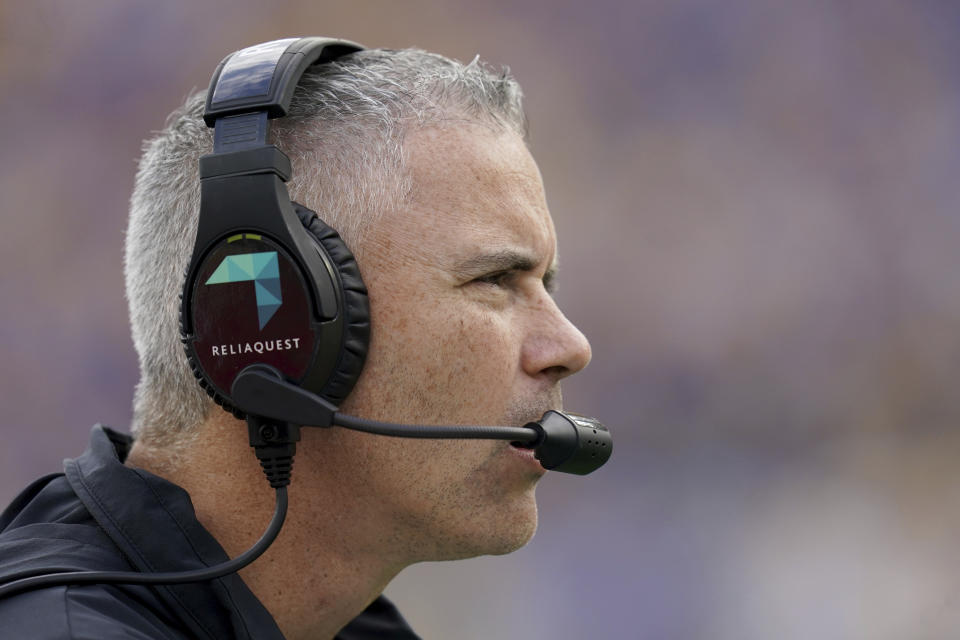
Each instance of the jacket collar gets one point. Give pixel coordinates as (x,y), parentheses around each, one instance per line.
(153,523)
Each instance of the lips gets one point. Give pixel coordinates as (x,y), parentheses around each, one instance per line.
(528,458)
(519,448)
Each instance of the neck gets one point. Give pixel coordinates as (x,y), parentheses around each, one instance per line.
(329,561)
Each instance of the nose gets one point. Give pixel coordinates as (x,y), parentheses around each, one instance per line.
(554,347)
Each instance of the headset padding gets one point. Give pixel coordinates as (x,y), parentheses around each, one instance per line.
(356,308)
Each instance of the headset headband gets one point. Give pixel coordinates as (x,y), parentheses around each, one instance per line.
(254,84)
(263,77)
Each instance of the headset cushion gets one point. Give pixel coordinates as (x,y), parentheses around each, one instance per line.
(356,308)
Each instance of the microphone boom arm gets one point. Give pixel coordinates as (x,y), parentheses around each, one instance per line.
(561,441)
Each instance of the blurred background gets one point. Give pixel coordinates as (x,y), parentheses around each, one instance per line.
(757,208)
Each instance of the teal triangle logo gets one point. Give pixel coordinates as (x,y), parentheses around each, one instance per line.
(263,269)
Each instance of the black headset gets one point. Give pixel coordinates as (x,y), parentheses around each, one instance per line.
(305,313)
(274,315)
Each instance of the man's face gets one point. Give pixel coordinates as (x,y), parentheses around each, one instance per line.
(464,331)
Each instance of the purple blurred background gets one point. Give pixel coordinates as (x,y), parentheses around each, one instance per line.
(757,206)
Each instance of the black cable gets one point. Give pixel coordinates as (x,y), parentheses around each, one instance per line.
(174,577)
(515,434)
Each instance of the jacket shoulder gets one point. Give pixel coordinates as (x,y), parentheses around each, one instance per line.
(94,612)
(46,529)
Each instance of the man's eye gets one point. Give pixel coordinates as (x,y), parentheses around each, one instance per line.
(496,279)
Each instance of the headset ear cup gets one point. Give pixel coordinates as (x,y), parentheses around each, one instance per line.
(356,307)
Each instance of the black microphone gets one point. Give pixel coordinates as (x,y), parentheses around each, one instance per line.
(561,441)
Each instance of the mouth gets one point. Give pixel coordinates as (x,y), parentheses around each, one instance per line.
(522,450)
(525,446)
(526,453)
(527,458)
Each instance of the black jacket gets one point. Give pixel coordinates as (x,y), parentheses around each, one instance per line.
(101,515)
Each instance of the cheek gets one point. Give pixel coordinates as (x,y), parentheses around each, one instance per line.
(486,338)
(480,353)
(446,360)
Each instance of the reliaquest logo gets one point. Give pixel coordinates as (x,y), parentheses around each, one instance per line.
(263,269)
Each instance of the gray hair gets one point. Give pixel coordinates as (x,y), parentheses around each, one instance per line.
(344,136)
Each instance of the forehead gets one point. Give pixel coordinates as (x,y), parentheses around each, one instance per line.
(474,189)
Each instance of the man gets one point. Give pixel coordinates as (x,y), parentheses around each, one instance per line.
(421,164)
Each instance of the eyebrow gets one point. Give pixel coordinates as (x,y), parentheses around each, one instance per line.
(506,260)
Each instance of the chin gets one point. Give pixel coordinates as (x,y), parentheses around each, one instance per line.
(498,533)
(518,539)
(513,525)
